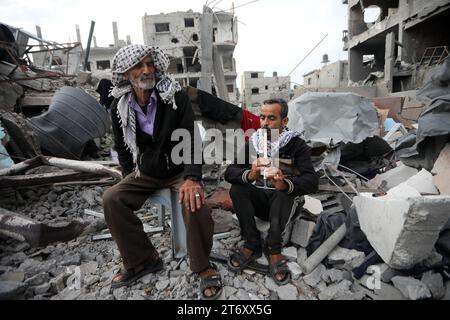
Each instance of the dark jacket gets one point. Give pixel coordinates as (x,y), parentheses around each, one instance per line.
(154,152)
(300,175)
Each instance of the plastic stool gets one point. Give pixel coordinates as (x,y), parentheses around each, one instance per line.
(168,199)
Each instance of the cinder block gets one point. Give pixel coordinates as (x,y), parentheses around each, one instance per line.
(401,227)
(302,232)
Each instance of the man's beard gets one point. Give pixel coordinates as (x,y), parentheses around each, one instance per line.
(145,82)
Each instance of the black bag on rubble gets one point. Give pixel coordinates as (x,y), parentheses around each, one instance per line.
(328,223)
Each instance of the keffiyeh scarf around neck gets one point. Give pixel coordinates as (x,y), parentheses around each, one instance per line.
(273,146)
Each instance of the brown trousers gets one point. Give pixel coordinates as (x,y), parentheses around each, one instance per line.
(129,195)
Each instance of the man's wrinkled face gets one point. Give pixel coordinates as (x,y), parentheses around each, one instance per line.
(142,75)
(270,117)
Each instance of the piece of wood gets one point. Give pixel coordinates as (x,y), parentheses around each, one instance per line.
(84,167)
(34,180)
(22,167)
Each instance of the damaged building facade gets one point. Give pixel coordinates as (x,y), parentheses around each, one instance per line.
(179,34)
(256,88)
(402,47)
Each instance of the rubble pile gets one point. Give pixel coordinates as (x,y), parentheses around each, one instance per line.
(377,229)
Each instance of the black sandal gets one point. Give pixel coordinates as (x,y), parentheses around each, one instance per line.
(280,267)
(239,257)
(130,276)
(212,281)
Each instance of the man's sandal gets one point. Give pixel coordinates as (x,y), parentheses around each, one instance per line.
(280,267)
(212,281)
(239,257)
(130,276)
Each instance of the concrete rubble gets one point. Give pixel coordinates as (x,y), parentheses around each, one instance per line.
(393,213)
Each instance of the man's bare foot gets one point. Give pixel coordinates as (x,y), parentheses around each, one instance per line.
(274,258)
(209,292)
(247,253)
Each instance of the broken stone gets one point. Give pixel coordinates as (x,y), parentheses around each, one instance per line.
(351,258)
(270,284)
(250,286)
(332,276)
(302,255)
(402,229)
(242,295)
(287,292)
(441,170)
(296,271)
(315,276)
(290,253)
(398,175)
(423,182)
(302,232)
(354,296)
(447,291)
(89,268)
(336,290)
(161,285)
(313,205)
(38,279)
(435,283)
(67,295)
(11,289)
(16,276)
(229,291)
(72,260)
(42,289)
(411,288)
(378,290)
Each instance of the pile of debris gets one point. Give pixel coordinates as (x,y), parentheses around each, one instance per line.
(378,228)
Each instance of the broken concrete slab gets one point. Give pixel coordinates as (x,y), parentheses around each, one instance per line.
(313,205)
(287,292)
(441,170)
(302,232)
(336,290)
(423,182)
(11,289)
(378,290)
(411,288)
(332,276)
(290,253)
(315,276)
(397,175)
(352,258)
(296,271)
(435,284)
(402,229)
(14,276)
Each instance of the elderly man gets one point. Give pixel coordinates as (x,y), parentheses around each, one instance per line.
(273,199)
(149,105)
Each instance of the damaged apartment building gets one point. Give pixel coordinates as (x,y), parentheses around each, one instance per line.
(194,55)
(402,47)
(256,88)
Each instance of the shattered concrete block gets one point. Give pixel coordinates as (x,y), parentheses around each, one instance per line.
(15,276)
(290,253)
(315,277)
(302,255)
(411,288)
(296,271)
(398,175)
(332,276)
(336,290)
(441,170)
(379,290)
(351,258)
(313,205)
(435,283)
(302,232)
(287,292)
(423,182)
(38,279)
(42,289)
(402,229)
(11,289)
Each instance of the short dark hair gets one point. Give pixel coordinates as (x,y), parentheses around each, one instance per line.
(282,103)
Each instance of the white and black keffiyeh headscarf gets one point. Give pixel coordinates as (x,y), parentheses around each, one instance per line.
(273,146)
(129,56)
(125,59)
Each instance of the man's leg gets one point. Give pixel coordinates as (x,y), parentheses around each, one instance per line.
(119,203)
(199,233)
(280,210)
(248,202)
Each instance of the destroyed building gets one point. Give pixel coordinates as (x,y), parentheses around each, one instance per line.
(256,88)
(402,47)
(180,35)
